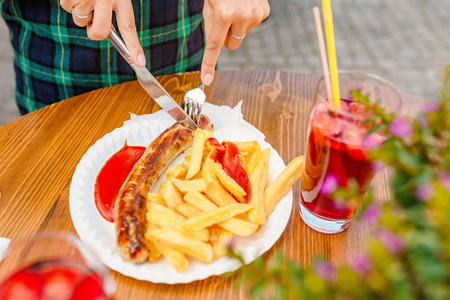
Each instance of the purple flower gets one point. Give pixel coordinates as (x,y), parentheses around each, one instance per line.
(323,270)
(439,65)
(329,185)
(390,240)
(377,165)
(444,180)
(423,121)
(400,127)
(424,192)
(373,141)
(357,86)
(362,264)
(371,213)
(431,106)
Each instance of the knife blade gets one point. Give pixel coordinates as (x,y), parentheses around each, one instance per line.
(151,85)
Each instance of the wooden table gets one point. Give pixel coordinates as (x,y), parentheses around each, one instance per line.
(40,151)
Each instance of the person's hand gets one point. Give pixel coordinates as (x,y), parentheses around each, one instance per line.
(226,23)
(96,15)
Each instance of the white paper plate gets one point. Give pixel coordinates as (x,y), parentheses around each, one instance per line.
(141,130)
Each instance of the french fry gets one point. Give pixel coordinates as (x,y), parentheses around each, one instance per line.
(192,247)
(175,257)
(258,182)
(242,158)
(208,173)
(177,171)
(185,186)
(188,154)
(237,226)
(243,217)
(167,218)
(254,160)
(187,159)
(276,191)
(154,209)
(156,197)
(215,216)
(197,176)
(241,199)
(218,194)
(185,163)
(228,182)
(153,253)
(187,210)
(171,195)
(214,234)
(200,137)
(208,147)
(248,147)
(206,150)
(220,245)
(200,201)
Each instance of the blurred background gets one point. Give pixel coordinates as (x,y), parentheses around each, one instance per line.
(405,41)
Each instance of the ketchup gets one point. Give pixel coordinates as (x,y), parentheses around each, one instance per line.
(227,155)
(111,177)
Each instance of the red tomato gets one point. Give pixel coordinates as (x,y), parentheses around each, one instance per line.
(233,168)
(215,143)
(227,155)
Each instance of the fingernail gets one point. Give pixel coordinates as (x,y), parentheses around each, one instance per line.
(207,80)
(141,60)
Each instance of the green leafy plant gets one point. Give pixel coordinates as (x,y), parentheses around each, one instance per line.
(409,254)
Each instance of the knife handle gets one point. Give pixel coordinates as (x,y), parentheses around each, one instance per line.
(118,43)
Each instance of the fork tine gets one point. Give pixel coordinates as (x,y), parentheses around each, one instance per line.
(193,102)
(189,108)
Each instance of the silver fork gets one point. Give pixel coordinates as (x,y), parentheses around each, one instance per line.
(193,102)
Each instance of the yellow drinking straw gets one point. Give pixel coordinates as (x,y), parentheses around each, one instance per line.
(329,32)
(323,53)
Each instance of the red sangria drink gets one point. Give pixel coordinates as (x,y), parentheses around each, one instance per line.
(335,156)
(53,266)
(54,279)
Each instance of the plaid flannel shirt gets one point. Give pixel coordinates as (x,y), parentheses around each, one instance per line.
(55,60)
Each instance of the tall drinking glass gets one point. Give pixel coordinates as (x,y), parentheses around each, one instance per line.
(53,265)
(335,155)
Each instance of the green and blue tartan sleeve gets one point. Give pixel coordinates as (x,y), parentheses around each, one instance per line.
(55,60)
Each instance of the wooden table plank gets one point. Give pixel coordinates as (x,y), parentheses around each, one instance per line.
(40,151)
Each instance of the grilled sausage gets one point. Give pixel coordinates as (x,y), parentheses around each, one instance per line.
(130,204)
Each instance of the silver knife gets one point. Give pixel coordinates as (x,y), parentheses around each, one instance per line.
(151,85)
